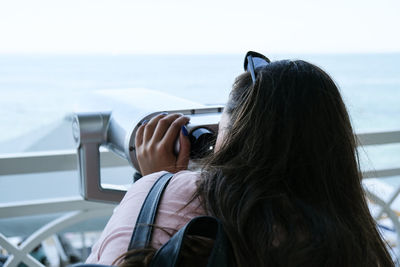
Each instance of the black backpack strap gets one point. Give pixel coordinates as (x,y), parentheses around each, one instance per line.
(206,226)
(141,235)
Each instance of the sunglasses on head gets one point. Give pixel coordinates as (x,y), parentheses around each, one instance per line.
(254,61)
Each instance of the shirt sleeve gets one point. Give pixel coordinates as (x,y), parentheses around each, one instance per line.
(173,212)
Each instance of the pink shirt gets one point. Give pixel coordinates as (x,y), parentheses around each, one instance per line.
(171,214)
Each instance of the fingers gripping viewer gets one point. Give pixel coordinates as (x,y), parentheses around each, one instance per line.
(155,141)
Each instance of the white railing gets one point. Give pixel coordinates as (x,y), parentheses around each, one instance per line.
(50,161)
(75,209)
(72,209)
(383,138)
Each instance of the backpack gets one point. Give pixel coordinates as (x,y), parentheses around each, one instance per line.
(169,254)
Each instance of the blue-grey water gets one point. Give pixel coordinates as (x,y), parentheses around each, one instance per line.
(36,90)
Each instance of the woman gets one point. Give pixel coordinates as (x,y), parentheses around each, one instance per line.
(284,178)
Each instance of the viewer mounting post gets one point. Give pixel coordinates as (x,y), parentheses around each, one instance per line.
(90,132)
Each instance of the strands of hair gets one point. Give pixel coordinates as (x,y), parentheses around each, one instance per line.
(286,182)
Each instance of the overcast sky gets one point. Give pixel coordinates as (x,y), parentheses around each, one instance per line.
(202,26)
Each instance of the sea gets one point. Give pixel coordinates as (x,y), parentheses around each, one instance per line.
(38,90)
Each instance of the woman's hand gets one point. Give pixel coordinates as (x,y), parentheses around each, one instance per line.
(155,142)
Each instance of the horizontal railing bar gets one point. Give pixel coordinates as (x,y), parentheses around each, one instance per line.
(35,207)
(381,138)
(381,173)
(51,161)
(66,160)
(46,206)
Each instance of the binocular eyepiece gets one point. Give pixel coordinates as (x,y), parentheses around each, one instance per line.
(202,141)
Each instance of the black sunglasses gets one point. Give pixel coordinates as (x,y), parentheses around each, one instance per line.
(253,61)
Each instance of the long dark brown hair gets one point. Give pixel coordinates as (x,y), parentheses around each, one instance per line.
(286,182)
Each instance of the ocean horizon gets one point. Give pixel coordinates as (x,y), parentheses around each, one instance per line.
(38,90)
